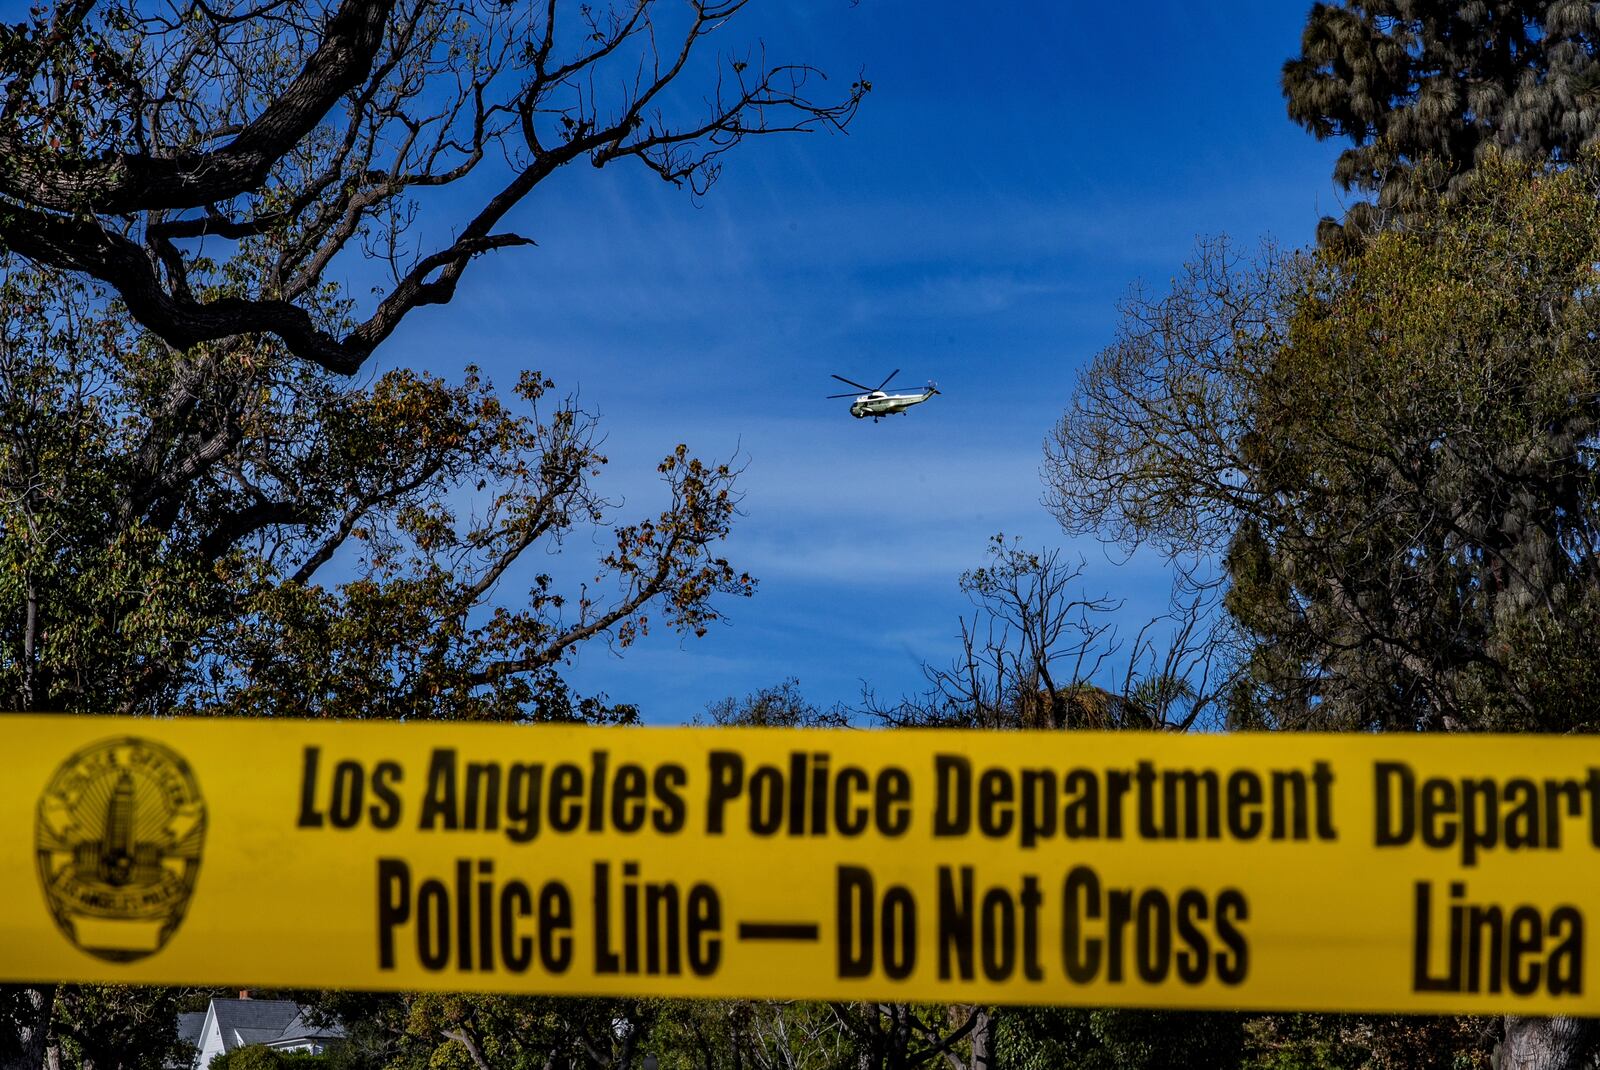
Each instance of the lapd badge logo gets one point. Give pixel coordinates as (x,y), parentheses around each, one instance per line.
(119,833)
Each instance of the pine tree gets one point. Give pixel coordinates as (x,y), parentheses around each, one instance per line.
(1424,88)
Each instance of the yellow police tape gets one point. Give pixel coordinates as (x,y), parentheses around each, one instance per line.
(1396,873)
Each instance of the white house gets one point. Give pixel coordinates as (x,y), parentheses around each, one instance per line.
(233,1023)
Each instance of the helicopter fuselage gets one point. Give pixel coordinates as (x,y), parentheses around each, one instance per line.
(879,404)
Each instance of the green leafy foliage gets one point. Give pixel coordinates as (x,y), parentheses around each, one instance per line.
(1043,1038)
(249,1057)
(167,549)
(115,1027)
(261,1057)
(1427,90)
(442,1031)
(1396,443)
(1422,451)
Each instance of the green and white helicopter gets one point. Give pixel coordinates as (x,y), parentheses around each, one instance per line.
(877,403)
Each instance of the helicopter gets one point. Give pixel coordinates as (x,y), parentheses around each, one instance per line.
(878,404)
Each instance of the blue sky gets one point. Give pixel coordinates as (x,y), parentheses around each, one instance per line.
(1008,180)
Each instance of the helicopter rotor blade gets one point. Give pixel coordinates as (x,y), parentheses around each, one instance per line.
(886,379)
(852,394)
(853,383)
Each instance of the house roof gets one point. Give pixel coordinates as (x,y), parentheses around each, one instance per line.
(264,1021)
(301,1029)
(189,1026)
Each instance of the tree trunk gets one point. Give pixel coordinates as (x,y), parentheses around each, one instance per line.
(899,1053)
(982,1039)
(32,1005)
(1545,1043)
